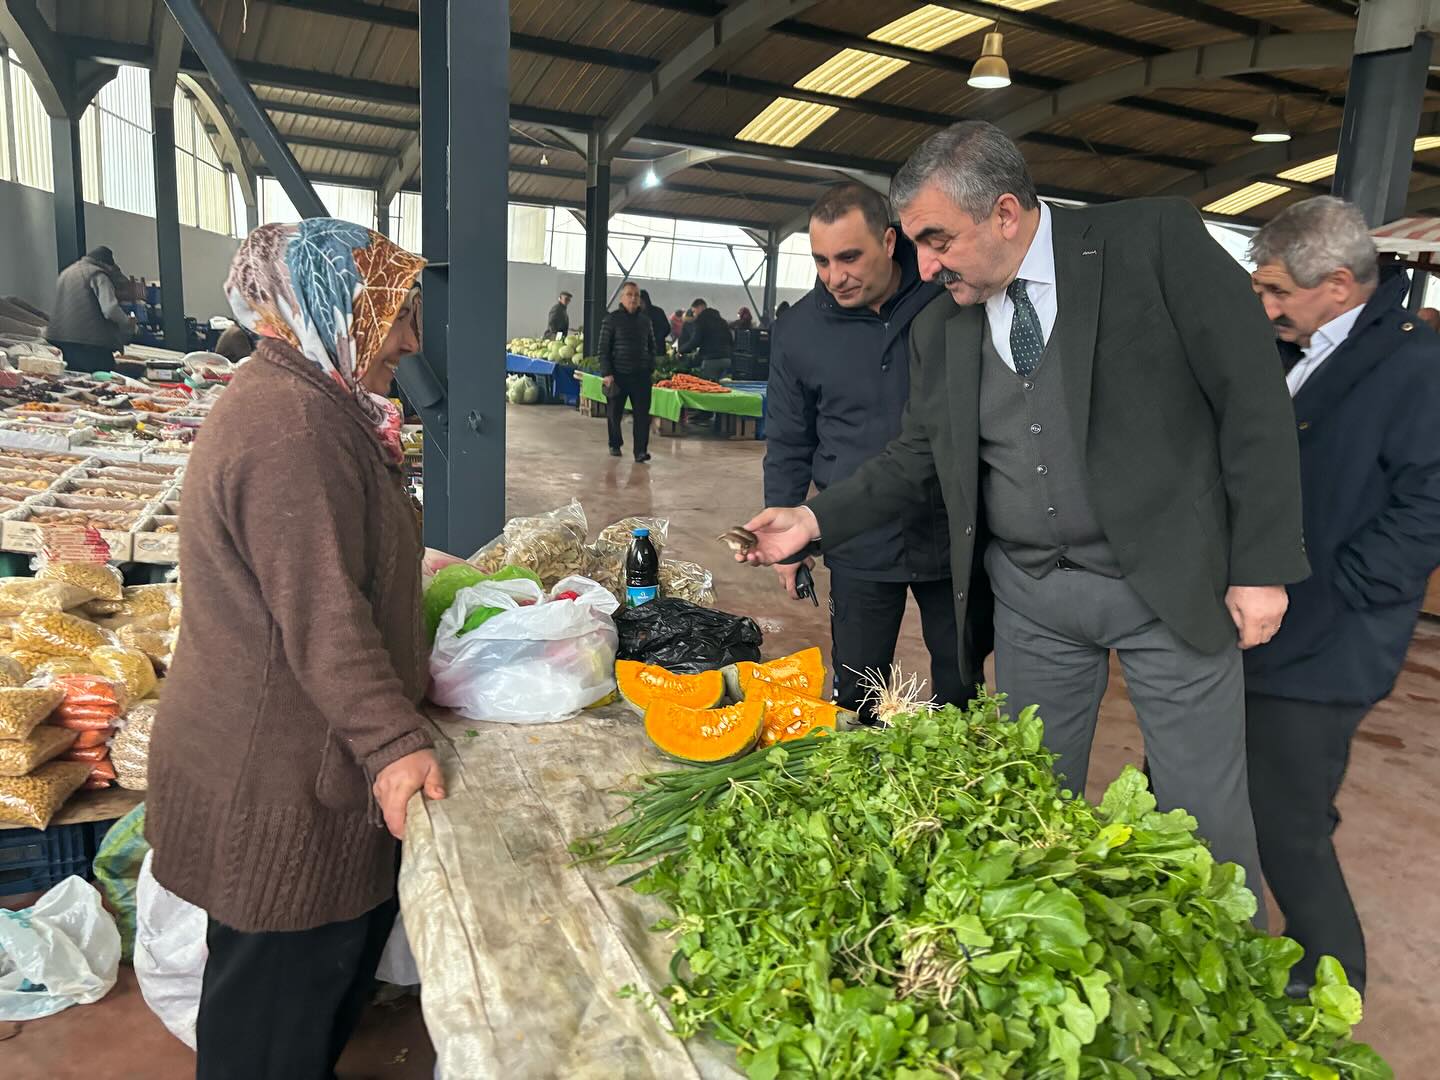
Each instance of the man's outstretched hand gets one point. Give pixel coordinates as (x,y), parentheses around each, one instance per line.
(781,532)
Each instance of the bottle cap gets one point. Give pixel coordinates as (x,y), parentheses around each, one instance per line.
(641,532)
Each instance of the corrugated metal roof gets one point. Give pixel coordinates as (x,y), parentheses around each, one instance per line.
(360,139)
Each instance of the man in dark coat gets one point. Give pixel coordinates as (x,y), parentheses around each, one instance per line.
(627,359)
(708,338)
(1365,377)
(87,323)
(1099,392)
(659,322)
(839,381)
(558,321)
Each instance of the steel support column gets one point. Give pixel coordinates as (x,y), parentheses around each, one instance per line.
(253,119)
(597,242)
(1377,135)
(479,165)
(167,230)
(69,189)
(382,215)
(425,380)
(772,272)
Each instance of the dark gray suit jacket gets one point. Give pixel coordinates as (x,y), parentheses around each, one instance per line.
(1181,417)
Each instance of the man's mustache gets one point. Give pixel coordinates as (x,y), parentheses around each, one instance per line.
(1283,322)
(948,277)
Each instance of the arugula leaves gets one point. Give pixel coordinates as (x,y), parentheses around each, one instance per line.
(922,902)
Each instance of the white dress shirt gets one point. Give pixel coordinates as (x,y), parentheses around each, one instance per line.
(1322,343)
(1037,270)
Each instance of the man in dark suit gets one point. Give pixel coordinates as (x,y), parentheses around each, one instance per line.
(1098,392)
(1365,376)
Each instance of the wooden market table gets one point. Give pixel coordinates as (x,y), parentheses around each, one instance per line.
(522,954)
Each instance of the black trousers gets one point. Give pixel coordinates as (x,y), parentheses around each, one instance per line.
(865,619)
(1298,752)
(636,389)
(86,358)
(282,1005)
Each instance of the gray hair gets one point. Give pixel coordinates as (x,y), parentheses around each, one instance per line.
(1314,238)
(973,163)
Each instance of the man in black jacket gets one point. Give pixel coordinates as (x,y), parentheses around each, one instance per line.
(709,338)
(1365,378)
(558,321)
(1098,392)
(627,359)
(839,381)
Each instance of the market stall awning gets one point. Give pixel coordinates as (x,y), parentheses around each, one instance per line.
(1408,236)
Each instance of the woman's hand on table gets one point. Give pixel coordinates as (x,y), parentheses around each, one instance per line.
(402,778)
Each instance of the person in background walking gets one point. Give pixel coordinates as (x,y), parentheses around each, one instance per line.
(1365,377)
(627,359)
(658,322)
(558,321)
(839,382)
(1101,397)
(87,323)
(707,337)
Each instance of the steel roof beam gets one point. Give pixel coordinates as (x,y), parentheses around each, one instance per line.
(211,107)
(354,9)
(734,29)
(1182,68)
(320,112)
(658,170)
(406,164)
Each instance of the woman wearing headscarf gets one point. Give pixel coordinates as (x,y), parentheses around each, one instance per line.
(289,741)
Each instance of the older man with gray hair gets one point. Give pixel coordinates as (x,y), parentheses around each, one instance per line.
(1365,377)
(1100,400)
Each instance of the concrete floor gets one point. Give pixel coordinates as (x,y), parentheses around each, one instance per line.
(1388,841)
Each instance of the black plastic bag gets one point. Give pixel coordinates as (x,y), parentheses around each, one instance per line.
(682,637)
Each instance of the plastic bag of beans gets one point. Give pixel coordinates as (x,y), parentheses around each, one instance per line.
(100,581)
(32,800)
(18,757)
(127,666)
(19,595)
(11,672)
(59,634)
(22,708)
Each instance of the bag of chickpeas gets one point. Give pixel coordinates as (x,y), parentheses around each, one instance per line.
(32,800)
(22,708)
(19,757)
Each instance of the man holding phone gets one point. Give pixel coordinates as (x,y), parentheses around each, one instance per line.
(839,383)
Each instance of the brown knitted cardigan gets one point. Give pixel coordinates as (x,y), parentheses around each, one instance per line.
(300,661)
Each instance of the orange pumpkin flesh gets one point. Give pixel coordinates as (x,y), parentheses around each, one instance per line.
(703,736)
(642,685)
(803,671)
(790,714)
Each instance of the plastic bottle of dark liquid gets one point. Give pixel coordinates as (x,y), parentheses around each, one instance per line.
(642,570)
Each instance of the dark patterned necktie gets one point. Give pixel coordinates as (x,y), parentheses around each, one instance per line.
(1027,339)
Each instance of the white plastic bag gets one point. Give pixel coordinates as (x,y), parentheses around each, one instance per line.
(534,664)
(63,951)
(170,954)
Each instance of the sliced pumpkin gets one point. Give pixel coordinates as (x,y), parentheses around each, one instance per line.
(790,714)
(803,671)
(643,684)
(704,736)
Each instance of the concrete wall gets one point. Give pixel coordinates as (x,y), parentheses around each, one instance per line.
(27,250)
(534,286)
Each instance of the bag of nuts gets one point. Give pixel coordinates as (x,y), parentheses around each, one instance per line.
(22,708)
(19,757)
(59,634)
(32,800)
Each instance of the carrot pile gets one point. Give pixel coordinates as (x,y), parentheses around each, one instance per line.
(682,381)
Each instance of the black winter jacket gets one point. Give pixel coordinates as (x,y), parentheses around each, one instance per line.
(707,336)
(1370,475)
(660,324)
(839,381)
(558,322)
(627,343)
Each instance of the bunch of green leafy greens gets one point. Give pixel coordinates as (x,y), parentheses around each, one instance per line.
(923,902)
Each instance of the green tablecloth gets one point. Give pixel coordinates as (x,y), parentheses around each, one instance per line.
(667,404)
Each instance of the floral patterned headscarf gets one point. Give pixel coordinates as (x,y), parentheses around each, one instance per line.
(331,289)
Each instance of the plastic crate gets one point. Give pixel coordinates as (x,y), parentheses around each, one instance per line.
(32,860)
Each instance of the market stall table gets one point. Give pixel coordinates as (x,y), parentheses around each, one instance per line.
(561,377)
(522,954)
(667,404)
